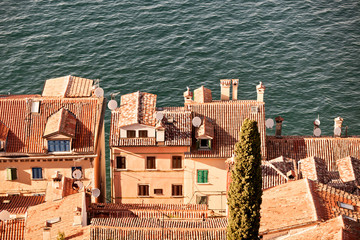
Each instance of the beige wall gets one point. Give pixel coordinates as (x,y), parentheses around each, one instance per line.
(125,182)
(24,183)
(215,189)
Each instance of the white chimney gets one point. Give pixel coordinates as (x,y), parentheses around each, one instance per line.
(235,83)
(225,89)
(260,92)
(337,126)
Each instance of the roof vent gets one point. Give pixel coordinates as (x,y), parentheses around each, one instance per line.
(35,106)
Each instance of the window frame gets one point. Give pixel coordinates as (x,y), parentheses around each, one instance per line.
(52,144)
(141,132)
(158,193)
(203,147)
(176,158)
(35,173)
(7,174)
(146,191)
(174,190)
(206,176)
(147,162)
(130,133)
(123,163)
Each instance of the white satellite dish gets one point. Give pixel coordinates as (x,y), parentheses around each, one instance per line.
(77,174)
(79,184)
(196,122)
(337,131)
(112,105)
(99,92)
(4,215)
(317,122)
(95,192)
(317,132)
(269,123)
(159,116)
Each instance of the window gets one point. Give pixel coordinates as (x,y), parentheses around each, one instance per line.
(176,190)
(143,133)
(37,173)
(346,206)
(120,162)
(158,191)
(203,144)
(150,163)
(130,133)
(201,199)
(76,168)
(202,176)
(143,190)
(176,162)
(11,174)
(59,146)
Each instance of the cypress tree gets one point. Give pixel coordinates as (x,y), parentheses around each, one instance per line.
(244,196)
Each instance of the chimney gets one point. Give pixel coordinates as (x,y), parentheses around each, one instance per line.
(225,89)
(188,96)
(235,83)
(260,92)
(278,121)
(202,95)
(337,126)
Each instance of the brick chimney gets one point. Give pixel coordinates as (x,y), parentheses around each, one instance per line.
(235,84)
(225,89)
(188,95)
(278,121)
(260,89)
(202,95)
(337,125)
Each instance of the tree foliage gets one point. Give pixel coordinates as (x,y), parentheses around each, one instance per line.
(244,196)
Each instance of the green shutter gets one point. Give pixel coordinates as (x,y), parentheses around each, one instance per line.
(205,176)
(11,174)
(209,144)
(202,176)
(197,143)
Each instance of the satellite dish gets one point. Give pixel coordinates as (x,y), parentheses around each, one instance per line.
(4,215)
(337,131)
(317,122)
(159,116)
(99,92)
(269,123)
(77,174)
(95,192)
(317,132)
(196,122)
(112,105)
(79,184)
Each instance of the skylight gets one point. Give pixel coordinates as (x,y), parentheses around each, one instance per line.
(346,206)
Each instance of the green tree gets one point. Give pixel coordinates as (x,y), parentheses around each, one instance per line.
(60,236)
(244,196)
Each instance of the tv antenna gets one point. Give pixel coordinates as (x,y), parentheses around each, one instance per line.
(95,192)
(317,132)
(196,122)
(269,123)
(112,105)
(4,215)
(77,174)
(159,116)
(99,92)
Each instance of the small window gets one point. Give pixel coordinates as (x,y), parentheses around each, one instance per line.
(120,162)
(201,199)
(158,191)
(59,146)
(204,144)
(176,190)
(11,174)
(143,190)
(176,162)
(150,163)
(143,133)
(346,206)
(76,168)
(202,176)
(37,173)
(130,133)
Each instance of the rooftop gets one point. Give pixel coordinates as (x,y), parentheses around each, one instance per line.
(18,205)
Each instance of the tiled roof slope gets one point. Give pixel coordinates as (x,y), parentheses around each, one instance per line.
(349,169)
(19,204)
(64,208)
(227,118)
(153,229)
(314,168)
(327,148)
(4,130)
(137,108)
(62,122)
(26,128)
(12,229)
(275,172)
(68,86)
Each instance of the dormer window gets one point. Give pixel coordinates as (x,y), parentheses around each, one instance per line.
(130,133)
(143,133)
(204,134)
(204,144)
(59,145)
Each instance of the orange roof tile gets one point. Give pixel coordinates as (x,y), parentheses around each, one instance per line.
(62,122)
(12,229)
(68,86)
(315,169)
(327,148)
(4,130)
(26,129)
(349,169)
(19,204)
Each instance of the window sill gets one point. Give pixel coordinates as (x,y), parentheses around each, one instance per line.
(144,197)
(38,179)
(177,169)
(120,169)
(178,196)
(204,183)
(151,169)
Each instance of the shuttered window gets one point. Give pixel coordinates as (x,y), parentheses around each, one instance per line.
(143,190)
(176,162)
(59,145)
(176,190)
(150,163)
(11,174)
(37,173)
(202,176)
(120,162)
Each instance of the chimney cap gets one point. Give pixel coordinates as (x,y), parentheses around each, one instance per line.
(225,82)
(260,86)
(279,119)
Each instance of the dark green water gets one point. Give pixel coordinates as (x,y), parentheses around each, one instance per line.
(305,52)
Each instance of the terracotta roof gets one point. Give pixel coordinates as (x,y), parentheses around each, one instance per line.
(315,169)
(327,148)
(153,229)
(26,128)
(62,122)
(137,108)
(12,229)
(349,169)
(227,118)
(19,204)
(64,208)
(4,130)
(68,86)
